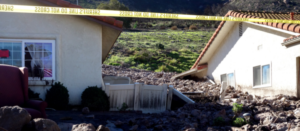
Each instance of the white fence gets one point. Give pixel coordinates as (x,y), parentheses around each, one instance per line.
(146,98)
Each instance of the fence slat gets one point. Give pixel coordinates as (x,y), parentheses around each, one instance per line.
(137,96)
(164,98)
(223,90)
(170,96)
(107,88)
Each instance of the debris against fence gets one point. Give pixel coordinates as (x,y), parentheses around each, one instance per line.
(199,89)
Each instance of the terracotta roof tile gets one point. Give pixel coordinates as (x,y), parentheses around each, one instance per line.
(280,25)
(108,20)
(297,29)
(286,26)
(63,3)
(118,23)
(269,15)
(292,27)
(74,6)
(52,1)
(274,25)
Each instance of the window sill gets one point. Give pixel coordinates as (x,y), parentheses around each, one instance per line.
(262,86)
(39,82)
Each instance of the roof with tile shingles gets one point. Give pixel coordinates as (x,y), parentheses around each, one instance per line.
(246,14)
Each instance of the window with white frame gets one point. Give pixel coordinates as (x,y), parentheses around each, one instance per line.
(262,75)
(229,78)
(36,55)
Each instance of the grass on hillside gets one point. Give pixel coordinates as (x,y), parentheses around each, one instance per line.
(168,50)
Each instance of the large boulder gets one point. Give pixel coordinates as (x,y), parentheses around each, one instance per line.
(13,118)
(83,127)
(42,124)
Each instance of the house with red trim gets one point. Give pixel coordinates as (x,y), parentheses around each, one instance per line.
(261,58)
(57,48)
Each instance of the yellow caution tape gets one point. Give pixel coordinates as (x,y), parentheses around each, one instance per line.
(116,13)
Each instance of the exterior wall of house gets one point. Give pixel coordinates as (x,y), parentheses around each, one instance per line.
(239,55)
(78,47)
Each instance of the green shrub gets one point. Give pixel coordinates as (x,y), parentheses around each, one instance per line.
(219,121)
(135,25)
(160,46)
(95,98)
(115,64)
(239,122)
(237,108)
(33,95)
(57,96)
(173,61)
(124,107)
(162,68)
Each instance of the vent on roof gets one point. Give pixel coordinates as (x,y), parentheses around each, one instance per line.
(240,29)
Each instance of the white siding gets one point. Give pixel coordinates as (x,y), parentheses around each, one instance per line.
(78,45)
(241,54)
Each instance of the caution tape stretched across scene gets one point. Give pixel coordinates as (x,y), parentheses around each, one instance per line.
(136,14)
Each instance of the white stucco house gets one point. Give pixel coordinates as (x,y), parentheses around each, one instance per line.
(69,49)
(260,58)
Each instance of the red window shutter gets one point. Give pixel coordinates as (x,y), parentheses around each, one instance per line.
(4,53)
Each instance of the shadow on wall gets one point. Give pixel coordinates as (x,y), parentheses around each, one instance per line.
(217,60)
(231,41)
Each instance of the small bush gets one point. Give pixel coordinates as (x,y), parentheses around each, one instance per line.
(162,27)
(124,107)
(219,121)
(174,28)
(193,27)
(95,98)
(160,46)
(162,68)
(239,122)
(135,25)
(237,108)
(33,95)
(173,61)
(57,96)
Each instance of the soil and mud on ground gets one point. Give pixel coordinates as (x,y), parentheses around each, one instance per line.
(279,113)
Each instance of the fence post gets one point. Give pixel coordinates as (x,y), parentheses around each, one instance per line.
(164,97)
(223,91)
(136,102)
(107,86)
(170,95)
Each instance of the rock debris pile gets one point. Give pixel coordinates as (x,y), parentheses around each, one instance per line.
(278,113)
(160,78)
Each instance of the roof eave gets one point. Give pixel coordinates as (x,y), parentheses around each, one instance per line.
(291,42)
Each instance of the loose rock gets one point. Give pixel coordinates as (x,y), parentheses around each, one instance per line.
(13,118)
(42,124)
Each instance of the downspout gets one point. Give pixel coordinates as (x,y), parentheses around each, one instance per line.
(103,84)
